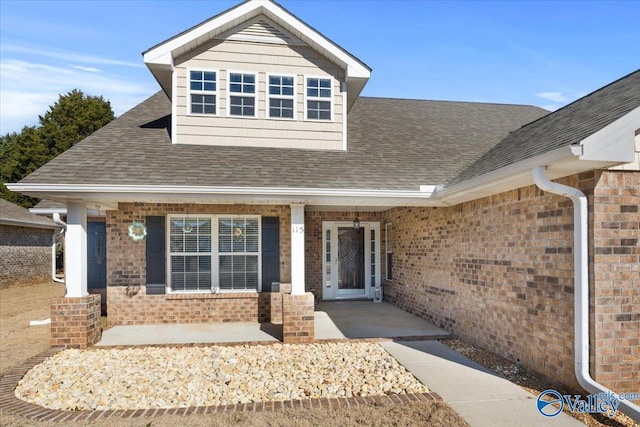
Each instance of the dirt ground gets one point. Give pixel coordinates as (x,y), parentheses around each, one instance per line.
(19,341)
(18,306)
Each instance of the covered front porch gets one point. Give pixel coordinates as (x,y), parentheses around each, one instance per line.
(337,320)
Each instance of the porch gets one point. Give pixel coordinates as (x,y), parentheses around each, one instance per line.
(332,321)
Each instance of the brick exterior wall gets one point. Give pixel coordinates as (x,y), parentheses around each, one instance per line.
(498,272)
(314,241)
(298,318)
(75,322)
(615,279)
(25,255)
(128,302)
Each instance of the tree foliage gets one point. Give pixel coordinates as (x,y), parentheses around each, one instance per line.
(71,119)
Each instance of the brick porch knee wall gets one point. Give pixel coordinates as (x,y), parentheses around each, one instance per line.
(75,322)
(128,302)
(298,318)
(499,272)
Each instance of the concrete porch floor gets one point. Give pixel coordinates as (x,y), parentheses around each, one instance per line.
(333,320)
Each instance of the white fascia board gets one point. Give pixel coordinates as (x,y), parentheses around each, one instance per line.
(500,180)
(28,224)
(614,142)
(163,54)
(425,191)
(106,196)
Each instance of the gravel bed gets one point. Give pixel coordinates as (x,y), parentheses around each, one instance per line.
(172,377)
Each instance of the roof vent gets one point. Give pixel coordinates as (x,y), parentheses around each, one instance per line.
(260,30)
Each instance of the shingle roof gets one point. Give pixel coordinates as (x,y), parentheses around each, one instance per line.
(17,215)
(564,127)
(393,144)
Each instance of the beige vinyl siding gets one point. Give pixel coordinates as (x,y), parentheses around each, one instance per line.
(262,59)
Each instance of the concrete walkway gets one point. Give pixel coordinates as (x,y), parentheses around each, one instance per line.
(477,394)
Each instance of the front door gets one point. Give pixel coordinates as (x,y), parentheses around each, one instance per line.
(96,255)
(351,259)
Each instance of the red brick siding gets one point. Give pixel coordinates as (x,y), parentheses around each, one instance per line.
(615,279)
(75,322)
(126,274)
(25,255)
(498,271)
(297,318)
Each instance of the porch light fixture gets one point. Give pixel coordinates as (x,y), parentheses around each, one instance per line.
(137,231)
(356,221)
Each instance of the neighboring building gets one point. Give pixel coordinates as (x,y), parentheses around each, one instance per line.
(248,171)
(27,246)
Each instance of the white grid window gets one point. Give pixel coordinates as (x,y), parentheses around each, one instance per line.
(281,97)
(238,247)
(242,90)
(214,253)
(203,92)
(318,93)
(190,254)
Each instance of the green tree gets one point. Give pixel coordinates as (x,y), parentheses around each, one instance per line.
(71,119)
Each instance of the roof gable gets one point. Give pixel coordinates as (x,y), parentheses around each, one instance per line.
(159,59)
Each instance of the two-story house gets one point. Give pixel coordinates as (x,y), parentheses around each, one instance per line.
(258,179)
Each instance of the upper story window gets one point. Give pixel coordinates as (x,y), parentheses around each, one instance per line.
(318,98)
(281,97)
(203,94)
(242,94)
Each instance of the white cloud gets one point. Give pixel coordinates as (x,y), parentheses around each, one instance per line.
(553,96)
(87,69)
(66,55)
(28,89)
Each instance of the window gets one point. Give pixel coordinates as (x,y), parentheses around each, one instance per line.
(202,89)
(281,97)
(389,250)
(190,253)
(242,90)
(210,253)
(238,246)
(318,98)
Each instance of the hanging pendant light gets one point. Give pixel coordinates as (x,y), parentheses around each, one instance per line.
(356,221)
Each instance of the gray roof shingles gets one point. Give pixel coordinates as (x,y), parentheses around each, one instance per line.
(11,213)
(393,144)
(564,127)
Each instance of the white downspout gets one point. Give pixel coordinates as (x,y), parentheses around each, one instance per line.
(57,220)
(581,287)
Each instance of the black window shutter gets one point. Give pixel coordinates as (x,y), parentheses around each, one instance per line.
(155,252)
(270,252)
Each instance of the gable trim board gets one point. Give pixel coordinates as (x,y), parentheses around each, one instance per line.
(160,58)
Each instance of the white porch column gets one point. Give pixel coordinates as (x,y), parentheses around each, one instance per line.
(75,249)
(297,249)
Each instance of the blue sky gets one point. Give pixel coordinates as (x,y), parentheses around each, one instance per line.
(545,53)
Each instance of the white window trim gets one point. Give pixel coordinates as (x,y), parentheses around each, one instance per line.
(388,246)
(202,92)
(243,95)
(314,98)
(269,97)
(215,253)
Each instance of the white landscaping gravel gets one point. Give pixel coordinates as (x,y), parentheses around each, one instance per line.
(172,377)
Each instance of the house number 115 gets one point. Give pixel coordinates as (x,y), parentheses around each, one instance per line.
(297,229)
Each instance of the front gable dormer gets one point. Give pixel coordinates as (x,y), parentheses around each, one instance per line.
(257,76)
